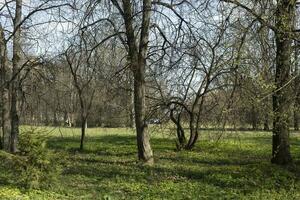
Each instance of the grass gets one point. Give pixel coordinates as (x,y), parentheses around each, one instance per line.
(235,167)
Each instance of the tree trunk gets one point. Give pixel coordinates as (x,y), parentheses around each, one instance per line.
(5,118)
(143,139)
(193,132)
(15,82)
(254,120)
(137,58)
(82,114)
(181,142)
(281,97)
(83,128)
(131,106)
(296,89)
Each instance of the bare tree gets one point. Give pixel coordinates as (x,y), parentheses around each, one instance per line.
(137,54)
(79,60)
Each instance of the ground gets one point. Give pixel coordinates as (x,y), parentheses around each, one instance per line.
(236,166)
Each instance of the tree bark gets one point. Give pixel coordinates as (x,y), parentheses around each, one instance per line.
(82,115)
(4,75)
(15,83)
(296,89)
(254,120)
(193,132)
(143,138)
(137,57)
(281,97)
(83,128)
(179,130)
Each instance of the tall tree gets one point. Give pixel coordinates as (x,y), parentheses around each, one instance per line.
(79,63)
(137,53)
(281,98)
(4,99)
(15,82)
(283,29)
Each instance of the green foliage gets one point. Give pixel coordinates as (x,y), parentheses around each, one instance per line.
(7,193)
(40,168)
(236,167)
(35,166)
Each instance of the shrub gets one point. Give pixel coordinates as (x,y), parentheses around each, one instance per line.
(34,166)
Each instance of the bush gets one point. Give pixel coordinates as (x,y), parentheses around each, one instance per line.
(34,166)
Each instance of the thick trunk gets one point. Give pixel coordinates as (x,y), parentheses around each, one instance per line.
(281,97)
(143,139)
(137,57)
(5,118)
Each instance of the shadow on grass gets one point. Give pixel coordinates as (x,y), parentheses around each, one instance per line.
(113,157)
(95,144)
(265,140)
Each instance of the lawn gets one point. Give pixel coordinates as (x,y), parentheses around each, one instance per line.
(235,167)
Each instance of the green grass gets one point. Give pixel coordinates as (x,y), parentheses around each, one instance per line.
(235,167)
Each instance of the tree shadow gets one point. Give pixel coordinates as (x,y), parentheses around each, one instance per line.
(105,142)
(113,157)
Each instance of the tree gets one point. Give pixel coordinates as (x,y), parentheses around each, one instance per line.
(137,54)
(285,13)
(79,62)
(15,83)
(283,30)
(4,99)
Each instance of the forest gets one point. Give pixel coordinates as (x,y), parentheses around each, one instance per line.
(149,99)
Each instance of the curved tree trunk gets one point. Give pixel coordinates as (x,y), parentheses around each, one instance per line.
(179,130)
(193,133)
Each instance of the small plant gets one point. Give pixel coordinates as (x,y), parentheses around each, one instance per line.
(40,168)
(34,166)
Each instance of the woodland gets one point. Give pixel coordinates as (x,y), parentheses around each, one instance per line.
(149,99)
